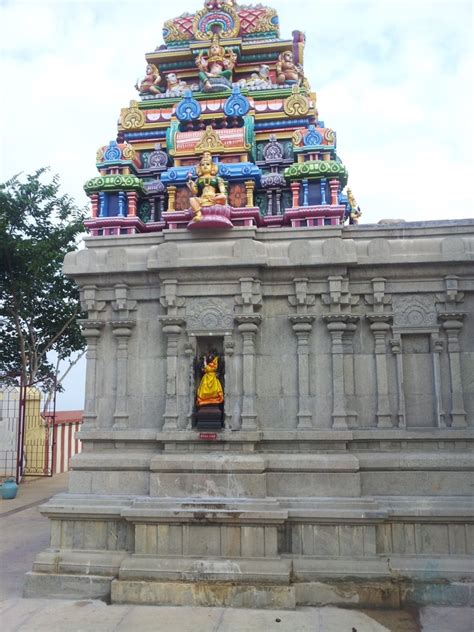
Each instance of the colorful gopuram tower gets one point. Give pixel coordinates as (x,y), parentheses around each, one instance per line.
(223,83)
(278,407)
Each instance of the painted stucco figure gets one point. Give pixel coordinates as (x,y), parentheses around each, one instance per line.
(208,189)
(215,69)
(287,71)
(353,210)
(150,83)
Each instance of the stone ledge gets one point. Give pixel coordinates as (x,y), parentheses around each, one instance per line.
(203,594)
(64,586)
(264,570)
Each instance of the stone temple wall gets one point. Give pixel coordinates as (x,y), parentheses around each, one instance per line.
(344,471)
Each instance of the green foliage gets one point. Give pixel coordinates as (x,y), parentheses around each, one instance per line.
(38,305)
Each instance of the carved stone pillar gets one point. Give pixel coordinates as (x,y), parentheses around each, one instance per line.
(396,344)
(248,327)
(249,189)
(349,369)
(171,198)
(452,324)
(336,324)
(380,326)
(132,198)
(230,404)
(190,387)
(436,350)
(122,331)
(91,330)
(334,188)
(295,193)
(172,330)
(302,326)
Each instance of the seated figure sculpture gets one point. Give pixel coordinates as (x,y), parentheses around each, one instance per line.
(215,70)
(151,81)
(288,72)
(175,87)
(208,189)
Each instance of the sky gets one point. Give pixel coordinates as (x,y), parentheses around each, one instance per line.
(393,78)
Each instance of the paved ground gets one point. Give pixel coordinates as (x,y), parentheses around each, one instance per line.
(24,532)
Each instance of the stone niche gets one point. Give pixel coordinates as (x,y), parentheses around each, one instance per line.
(343,469)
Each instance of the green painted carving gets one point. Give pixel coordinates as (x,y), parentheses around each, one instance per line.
(114,183)
(317,169)
(171,132)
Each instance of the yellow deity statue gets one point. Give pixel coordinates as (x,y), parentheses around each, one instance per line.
(210,391)
(208,189)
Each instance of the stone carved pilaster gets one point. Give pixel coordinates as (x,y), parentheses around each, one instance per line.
(302,326)
(250,297)
(172,327)
(349,369)
(91,330)
(396,345)
(452,324)
(380,327)
(338,296)
(190,386)
(230,404)
(336,324)
(248,326)
(437,347)
(122,331)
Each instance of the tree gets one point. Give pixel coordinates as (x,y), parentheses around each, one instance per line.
(38,304)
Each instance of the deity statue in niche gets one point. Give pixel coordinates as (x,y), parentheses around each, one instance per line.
(210,391)
(208,189)
(288,72)
(215,70)
(353,212)
(150,83)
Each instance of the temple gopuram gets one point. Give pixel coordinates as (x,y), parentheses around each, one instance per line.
(224,84)
(279,401)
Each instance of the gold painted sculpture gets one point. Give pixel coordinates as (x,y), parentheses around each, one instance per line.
(208,189)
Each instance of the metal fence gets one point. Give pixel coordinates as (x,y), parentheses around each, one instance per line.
(26,442)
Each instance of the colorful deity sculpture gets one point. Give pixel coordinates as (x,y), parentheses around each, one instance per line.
(208,189)
(287,71)
(150,83)
(353,210)
(210,391)
(215,70)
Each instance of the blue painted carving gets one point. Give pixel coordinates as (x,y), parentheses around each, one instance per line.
(103,205)
(188,109)
(112,152)
(313,137)
(122,204)
(305,192)
(236,104)
(323,191)
(155,186)
(229,171)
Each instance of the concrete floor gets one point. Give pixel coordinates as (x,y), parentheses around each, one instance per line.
(24,532)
